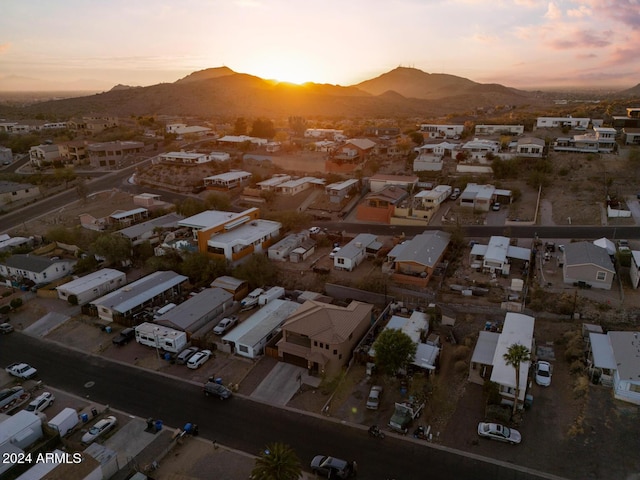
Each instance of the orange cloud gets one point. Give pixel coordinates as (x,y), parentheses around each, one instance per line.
(4,47)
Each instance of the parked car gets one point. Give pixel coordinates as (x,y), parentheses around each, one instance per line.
(496,206)
(124,337)
(314,230)
(198,358)
(21,370)
(495,431)
(334,252)
(543,373)
(5,328)
(373,401)
(41,402)
(99,428)
(184,356)
(225,324)
(216,389)
(331,467)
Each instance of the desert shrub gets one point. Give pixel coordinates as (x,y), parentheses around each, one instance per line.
(577,427)
(460,367)
(15,303)
(581,387)
(5,309)
(492,392)
(576,367)
(461,353)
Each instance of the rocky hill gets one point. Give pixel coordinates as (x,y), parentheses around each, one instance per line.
(406,92)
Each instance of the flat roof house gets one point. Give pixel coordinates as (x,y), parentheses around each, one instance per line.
(232,236)
(227,180)
(12,192)
(84,289)
(517,329)
(40,270)
(122,305)
(195,312)
(280,251)
(321,337)
(584,262)
(250,337)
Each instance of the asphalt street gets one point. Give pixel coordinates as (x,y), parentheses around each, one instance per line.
(242,423)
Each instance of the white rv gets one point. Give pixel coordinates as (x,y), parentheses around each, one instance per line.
(251,300)
(271,294)
(157,336)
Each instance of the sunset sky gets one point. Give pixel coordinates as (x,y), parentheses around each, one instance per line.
(96,44)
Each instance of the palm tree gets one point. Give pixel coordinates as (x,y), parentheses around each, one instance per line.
(277,462)
(516,354)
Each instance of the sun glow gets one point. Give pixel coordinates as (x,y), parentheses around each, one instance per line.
(289,70)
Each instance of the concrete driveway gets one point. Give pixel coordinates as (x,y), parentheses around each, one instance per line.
(280,384)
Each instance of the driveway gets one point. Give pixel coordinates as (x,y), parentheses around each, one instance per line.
(280,385)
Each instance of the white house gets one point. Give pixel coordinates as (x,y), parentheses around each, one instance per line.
(517,329)
(271,183)
(228,180)
(281,250)
(634,271)
(354,252)
(497,255)
(187,158)
(558,122)
(478,148)
(250,337)
(39,270)
(499,129)
(617,356)
(530,147)
(295,186)
(43,153)
(380,181)
(92,286)
(432,199)
(441,131)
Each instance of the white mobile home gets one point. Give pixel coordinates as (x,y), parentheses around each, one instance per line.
(84,289)
(157,336)
(250,337)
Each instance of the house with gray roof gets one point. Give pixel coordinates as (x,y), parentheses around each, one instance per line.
(589,264)
(281,250)
(498,255)
(415,260)
(149,230)
(12,192)
(195,312)
(124,305)
(84,289)
(40,270)
(354,252)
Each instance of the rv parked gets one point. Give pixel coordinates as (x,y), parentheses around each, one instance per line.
(251,300)
(157,336)
(271,294)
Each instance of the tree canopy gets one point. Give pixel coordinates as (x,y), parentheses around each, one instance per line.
(277,462)
(515,355)
(394,350)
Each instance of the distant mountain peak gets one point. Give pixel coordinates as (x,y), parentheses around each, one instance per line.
(123,87)
(207,74)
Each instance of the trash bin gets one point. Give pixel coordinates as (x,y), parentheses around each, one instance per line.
(84,417)
(219,381)
(107,329)
(94,412)
(167,356)
(158,425)
(187,428)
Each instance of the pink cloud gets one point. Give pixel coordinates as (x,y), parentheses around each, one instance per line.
(581,39)
(553,12)
(4,47)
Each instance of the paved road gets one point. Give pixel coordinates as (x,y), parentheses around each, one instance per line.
(242,423)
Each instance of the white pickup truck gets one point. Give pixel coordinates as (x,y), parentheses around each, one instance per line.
(21,370)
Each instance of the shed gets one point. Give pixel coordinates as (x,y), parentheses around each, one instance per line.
(238,288)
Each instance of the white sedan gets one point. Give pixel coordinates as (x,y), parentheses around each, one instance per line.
(197,359)
(495,431)
(41,402)
(543,373)
(99,428)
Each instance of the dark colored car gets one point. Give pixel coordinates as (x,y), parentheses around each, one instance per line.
(216,389)
(124,337)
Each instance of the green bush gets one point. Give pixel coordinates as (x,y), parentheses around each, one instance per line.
(5,309)
(15,303)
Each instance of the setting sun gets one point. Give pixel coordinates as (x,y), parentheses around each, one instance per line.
(283,69)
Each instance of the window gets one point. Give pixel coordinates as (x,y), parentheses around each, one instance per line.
(243,348)
(315,343)
(601,276)
(335,351)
